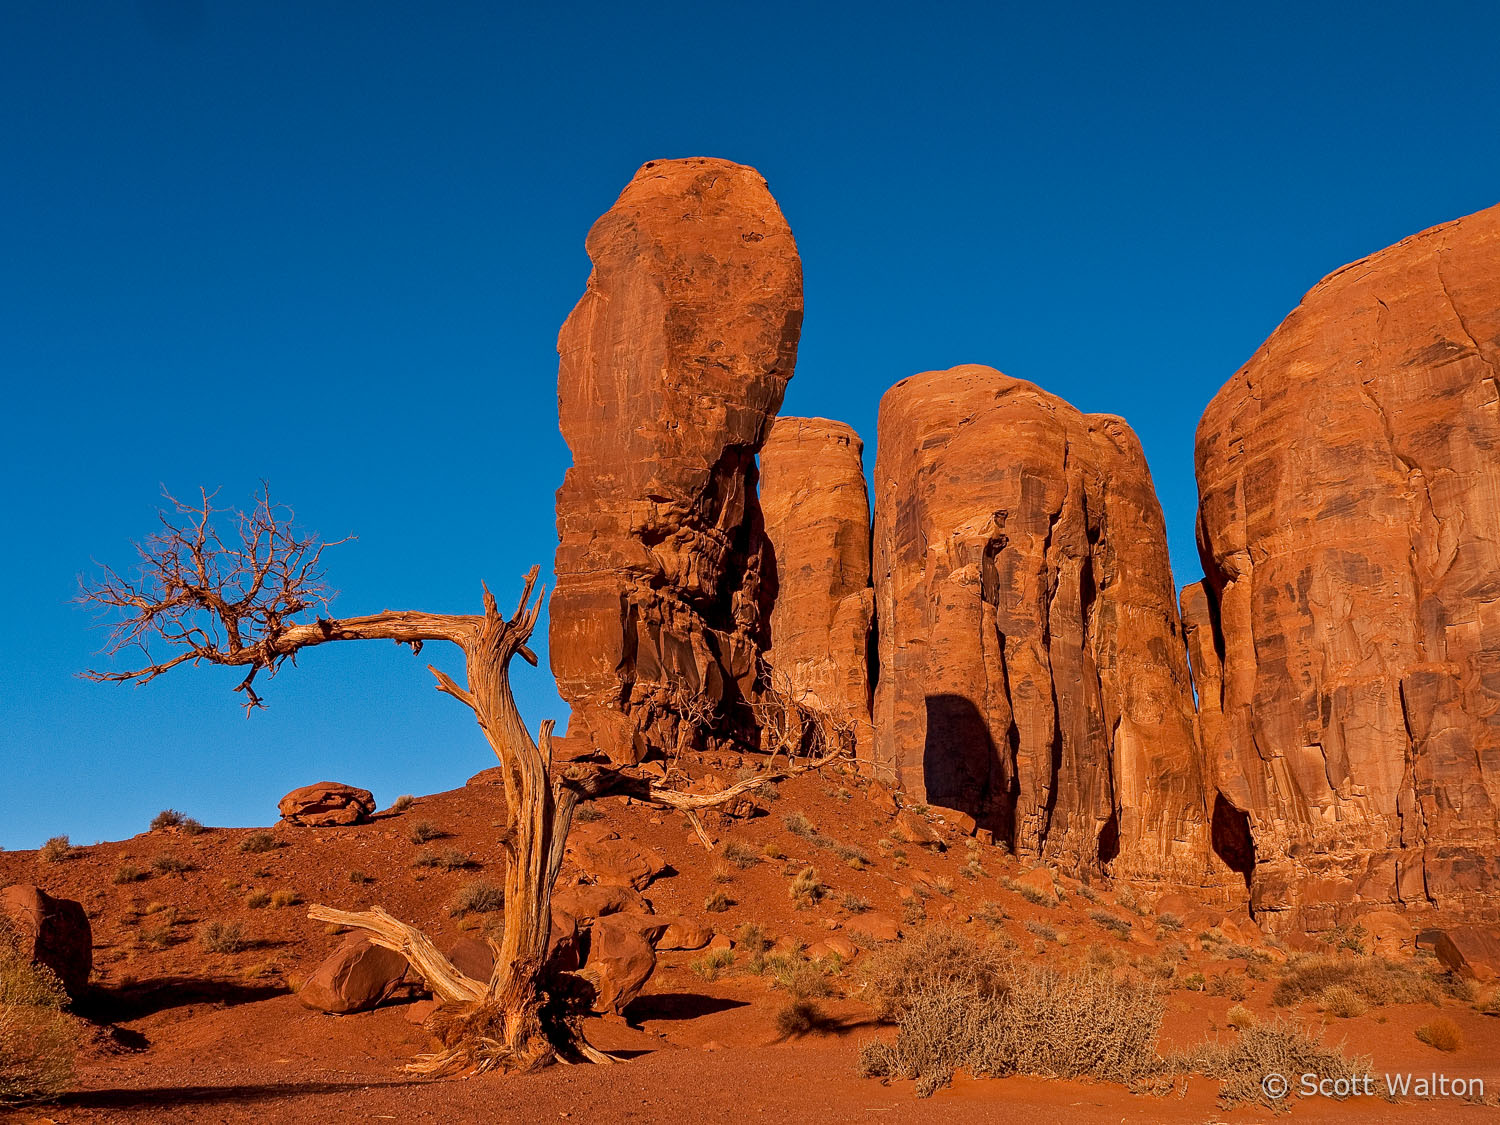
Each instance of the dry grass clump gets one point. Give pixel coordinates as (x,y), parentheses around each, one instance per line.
(359,878)
(712,964)
(284,897)
(806,889)
(55,850)
(1169,922)
(717,903)
(449,859)
(741,856)
(256,900)
(1373,980)
(1280,1046)
(798,825)
(171,818)
(799,1017)
(423,831)
(257,843)
(959,1004)
(1042,930)
(223,937)
(854,904)
(1028,892)
(586,813)
(1121,926)
(403,802)
(170,865)
(127,873)
(1342,1002)
(1441,1033)
(478,896)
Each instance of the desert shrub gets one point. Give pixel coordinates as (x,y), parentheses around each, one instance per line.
(752,938)
(258,843)
(1343,1002)
(722,873)
(158,935)
(1195,982)
(712,964)
(773,852)
(167,818)
(191,826)
(1169,922)
(255,900)
(1227,984)
(806,889)
(127,873)
(943,886)
(284,897)
(423,831)
(1028,892)
(853,903)
(56,849)
(798,825)
(403,802)
(37,1039)
(1281,1046)
(587,814)
(478,896)
(973,869)
(853,857)
(740,855)
(717,903)
(448,859)
(360,878)
(957,1005)
(223,937)
(795,973)
(1441,1033)
(170,864)
(1042,930)
(799,1017)
(1374,980)
(1120,926)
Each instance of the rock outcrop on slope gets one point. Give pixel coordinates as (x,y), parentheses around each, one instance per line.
(1349,523)
(1031,668)
(817,518)
(673,365)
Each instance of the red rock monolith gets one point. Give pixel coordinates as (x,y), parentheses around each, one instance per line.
(1348,651)
(817,518)
(672,367)
(1032,672)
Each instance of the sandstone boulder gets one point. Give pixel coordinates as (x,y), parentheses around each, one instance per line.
(620,962)
(54,932)
(875,926)
(1470,951)
(327,804)
(1032,672)
(914,828)
(618,863)
(1346,639)
(356,977)
(590,901)
(671,368)
(817,518)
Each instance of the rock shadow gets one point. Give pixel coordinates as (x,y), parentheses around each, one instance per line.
(963,769)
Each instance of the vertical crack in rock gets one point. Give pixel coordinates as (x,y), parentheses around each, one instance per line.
(1358,713)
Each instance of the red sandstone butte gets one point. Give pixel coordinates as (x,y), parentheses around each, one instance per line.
(1349,523)
(1031,668)
(672,367)
(817,517)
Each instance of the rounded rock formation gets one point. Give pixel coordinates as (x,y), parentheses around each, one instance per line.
(672,366)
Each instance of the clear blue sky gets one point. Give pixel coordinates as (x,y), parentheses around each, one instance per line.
(330,244)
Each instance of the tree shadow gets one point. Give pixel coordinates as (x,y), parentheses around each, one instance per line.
(124,1003)
(676,1006)
(159,1097)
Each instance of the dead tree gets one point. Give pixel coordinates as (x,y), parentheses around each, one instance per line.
(241,599)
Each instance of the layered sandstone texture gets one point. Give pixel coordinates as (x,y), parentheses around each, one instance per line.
(1349,522)
(817,518)
(1032,672)
(672,367)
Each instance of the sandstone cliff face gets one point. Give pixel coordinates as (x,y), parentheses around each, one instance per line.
(672,366)
(817,518)
(1348,661)
(1031,667)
